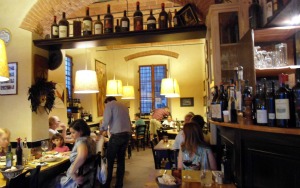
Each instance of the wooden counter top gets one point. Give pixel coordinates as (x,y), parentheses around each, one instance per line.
(277,130)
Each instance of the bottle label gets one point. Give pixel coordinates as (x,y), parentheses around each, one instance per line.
(271,115)
(151,22)
(175,21)
(138,23)
(124,24)
(261,116)
(98,29)
(108,23)
(282,108)
(87,25)
(63,31)
(218,111)
(238,100)
(55,31)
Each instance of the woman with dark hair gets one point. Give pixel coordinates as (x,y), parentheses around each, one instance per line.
(195,149)
(83,148)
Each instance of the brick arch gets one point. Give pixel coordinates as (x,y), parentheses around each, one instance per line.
(152,52)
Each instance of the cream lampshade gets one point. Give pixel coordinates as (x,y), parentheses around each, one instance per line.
(170,88)
(86,82)
(4,73)
(114,88)
(128,92)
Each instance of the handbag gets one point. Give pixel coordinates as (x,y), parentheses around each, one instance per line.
(102,171)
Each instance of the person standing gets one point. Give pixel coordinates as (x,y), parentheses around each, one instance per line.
(116,116)
(155,121)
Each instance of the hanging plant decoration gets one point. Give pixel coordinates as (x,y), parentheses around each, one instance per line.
(42,93)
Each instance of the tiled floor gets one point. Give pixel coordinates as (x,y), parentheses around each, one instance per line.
(137,169)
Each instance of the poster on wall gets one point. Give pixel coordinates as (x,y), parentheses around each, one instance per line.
(59,96)
(10,87)
(102,79)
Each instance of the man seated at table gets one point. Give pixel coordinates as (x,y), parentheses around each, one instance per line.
(157,116)
(169,122)
(54,123)
(138,120)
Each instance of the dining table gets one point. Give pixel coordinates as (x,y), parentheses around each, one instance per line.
(193,182)
(162,145)
(47,172)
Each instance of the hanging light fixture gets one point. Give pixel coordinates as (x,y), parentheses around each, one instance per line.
(128,91)
(169,86)
(86,80)
(4,73)
(114,87)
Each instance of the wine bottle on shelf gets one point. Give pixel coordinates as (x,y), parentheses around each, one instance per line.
(87,23)
(54,29)
(255,15)
(226,167)
(9,157)
(291,102)
(138,18)
(270,103)
(239,88)
(221,105)
(247,92)
(232,103)
(125,23)
(19,152)
(214,103)
(296,93)
(98,26)
(63,27)
(170,19)
(163,18)
(151,21)
(175,19)
(260,106)
(282,105)
(117,28)
(108,21)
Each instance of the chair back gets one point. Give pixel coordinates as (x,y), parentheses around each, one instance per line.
(140,131)
(21,181)
(161,133)
(89,171)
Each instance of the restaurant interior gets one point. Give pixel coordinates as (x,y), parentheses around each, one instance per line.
(193,55)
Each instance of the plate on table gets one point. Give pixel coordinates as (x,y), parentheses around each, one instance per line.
(51,152)
(49,158)
(39,163)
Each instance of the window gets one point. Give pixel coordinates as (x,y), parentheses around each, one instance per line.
(69,71)
(150,81)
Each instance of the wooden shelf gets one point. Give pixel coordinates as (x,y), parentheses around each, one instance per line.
(275,34)
(132,37)
(276,130)
(267,72)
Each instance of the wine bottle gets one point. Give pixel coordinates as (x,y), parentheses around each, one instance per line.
(19,152)
(239,88)
(226,167)
(63,27)
(125,23)
(170,19)
(296,93)
(247,92)
(138,18)
(270,103)
(117,27)
(232,103)
(54,29)
(222,104)
(213,103)
(291,102)
(108,21)
(98,26)
(163,18)
(151,21)
(255,15)
(175,19)
(260,106)
(9,157)
(87,23)
(282,106)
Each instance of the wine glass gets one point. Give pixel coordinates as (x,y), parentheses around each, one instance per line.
(187,161)
(44,146)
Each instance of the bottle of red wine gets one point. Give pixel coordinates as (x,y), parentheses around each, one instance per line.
(98,26)
(138,18)
(291,102)
(260,106)
(213,104)
(270,103)
(226,167)
(232,103)
(163,18)
(221,105)
(108,21)
(255,15)
(63,27)
(282,105)
(175,19)
(117,28)
(151,21)
(247,92)
(19,152)
(54,29)
(170,19)
(87,23)
(125,23)
(296,92)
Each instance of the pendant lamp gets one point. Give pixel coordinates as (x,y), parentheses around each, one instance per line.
(86,81)
(4,73)
(169,86)
(114,87)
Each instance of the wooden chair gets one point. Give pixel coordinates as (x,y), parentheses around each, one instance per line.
(140,136)
(21,181)
(89,171)
(161,133)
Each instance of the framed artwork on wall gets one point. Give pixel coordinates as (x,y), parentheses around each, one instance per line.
(187,102)
(100,69)
(10,87)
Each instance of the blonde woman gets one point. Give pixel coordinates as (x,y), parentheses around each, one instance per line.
(4,140)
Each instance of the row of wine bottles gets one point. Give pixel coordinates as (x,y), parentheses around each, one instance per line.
(165,20)
(269,107)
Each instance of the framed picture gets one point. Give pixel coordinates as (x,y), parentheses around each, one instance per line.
(187,102)
(100,69)
(187,16)
(10,87)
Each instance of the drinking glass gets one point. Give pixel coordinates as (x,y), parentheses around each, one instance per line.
(44,146)
(205,172)
(187,161)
